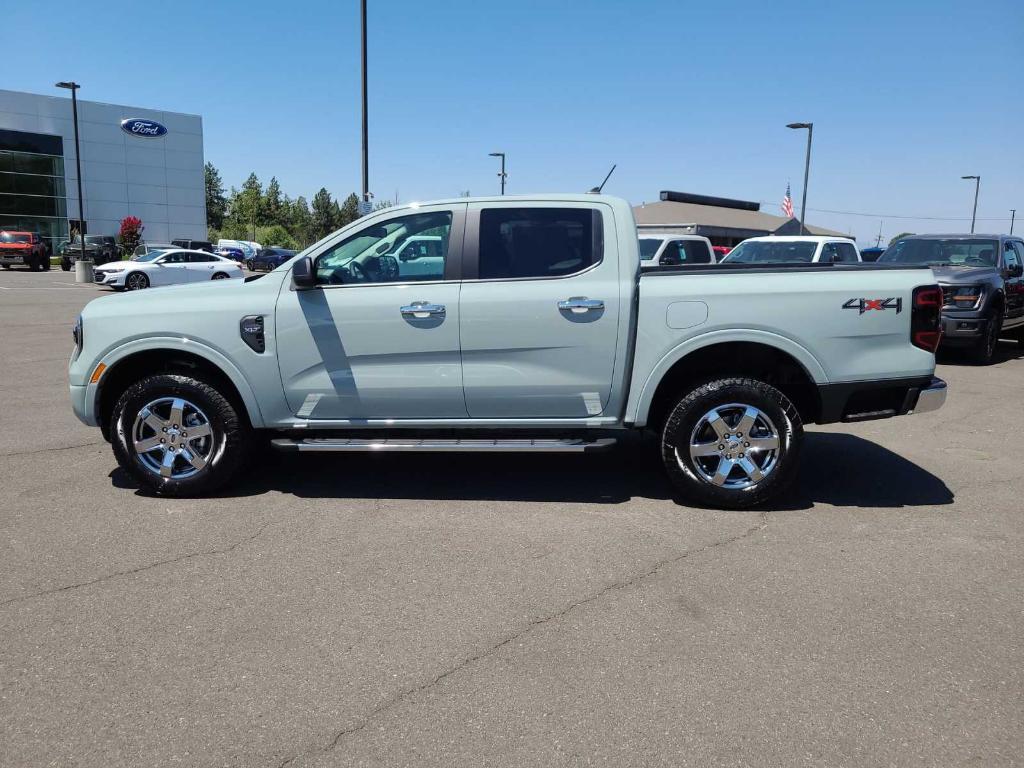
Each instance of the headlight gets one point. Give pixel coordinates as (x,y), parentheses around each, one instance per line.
(966,296)
(76,334)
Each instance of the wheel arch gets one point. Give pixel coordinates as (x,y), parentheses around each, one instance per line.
(130,363)
(788,367)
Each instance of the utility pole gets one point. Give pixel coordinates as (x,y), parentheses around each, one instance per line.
(878,240)
(1013,215)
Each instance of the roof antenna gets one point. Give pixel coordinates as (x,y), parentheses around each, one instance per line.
(597,190)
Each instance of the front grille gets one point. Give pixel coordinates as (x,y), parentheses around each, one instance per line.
(98,276)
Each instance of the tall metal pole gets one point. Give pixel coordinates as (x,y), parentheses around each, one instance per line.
(977,184)
(366,140)
(807,171)
(1013,215)
(502,173)
(73,87)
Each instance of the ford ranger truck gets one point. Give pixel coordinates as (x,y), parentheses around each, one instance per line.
(534,332)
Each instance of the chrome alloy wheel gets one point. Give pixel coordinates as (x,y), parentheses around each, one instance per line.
(136,281)
(734,446)
(173,438)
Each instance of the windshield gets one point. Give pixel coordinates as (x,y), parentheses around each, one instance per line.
(959,252)
(151,255)
(13,237)
(648,247)
(767,252)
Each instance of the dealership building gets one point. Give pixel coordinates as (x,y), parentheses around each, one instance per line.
(722,220)
(135,161)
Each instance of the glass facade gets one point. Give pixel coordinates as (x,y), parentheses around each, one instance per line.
(33,197)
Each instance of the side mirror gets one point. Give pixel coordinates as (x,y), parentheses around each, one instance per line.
(303,275)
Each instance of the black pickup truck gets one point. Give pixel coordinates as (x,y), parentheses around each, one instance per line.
(982,281)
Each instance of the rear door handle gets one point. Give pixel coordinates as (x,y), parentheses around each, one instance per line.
(579,304)
(422,309)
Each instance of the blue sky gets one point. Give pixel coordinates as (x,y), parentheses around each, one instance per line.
(906,96)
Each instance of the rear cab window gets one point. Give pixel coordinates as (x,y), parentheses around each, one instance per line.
(538,242)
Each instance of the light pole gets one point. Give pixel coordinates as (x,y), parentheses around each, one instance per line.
(73,87)
(502,174)
(1013,215)
(977,184)
(366,140)
(807,170)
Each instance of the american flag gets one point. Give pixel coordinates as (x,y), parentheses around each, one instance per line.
(787,203)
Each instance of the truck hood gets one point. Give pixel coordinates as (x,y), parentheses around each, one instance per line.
(963,275)
(151,299)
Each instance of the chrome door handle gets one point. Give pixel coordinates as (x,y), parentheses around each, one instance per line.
(422,309)
(580,304)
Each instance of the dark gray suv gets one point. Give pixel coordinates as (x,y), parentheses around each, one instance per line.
(982,280)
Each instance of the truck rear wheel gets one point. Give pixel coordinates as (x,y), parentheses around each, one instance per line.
(732,443)
(178,436)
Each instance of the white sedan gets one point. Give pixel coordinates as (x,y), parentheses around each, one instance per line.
(165,267)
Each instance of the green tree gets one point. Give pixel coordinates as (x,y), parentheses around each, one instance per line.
(300,221)
(901,234)
(274,235)
(349,211)
(216,202)
(244,209)
(323,215)
(272,204)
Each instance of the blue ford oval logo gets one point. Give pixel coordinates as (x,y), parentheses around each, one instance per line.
(138,126)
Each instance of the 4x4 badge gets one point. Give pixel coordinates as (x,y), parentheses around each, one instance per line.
(866,305)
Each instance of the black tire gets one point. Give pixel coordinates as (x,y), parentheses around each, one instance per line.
(5,266)
(35,266)
(248,265)
(46,263)
(780,464)
(65,264)
(984,352)
(230,435)
(141,280)
(219,276)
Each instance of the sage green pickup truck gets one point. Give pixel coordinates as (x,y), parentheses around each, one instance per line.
(531,327)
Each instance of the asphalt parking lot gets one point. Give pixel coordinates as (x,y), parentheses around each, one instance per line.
(468,611)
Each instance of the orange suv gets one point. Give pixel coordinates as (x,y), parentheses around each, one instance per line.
(23,248)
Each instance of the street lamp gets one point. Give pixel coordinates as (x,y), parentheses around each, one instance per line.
(977,183)
(502,174)
(807,170)
(73,87)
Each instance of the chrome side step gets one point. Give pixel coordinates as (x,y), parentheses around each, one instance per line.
(511,445)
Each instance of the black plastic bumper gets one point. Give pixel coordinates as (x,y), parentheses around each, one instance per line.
(868,400)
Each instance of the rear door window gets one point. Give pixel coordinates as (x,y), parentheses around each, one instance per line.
(538,242)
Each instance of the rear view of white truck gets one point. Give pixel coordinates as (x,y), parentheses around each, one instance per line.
(526,326)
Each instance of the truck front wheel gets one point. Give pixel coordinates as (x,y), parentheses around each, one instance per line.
(732,443)
(178,436)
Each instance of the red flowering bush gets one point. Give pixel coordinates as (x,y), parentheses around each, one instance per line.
(130,235)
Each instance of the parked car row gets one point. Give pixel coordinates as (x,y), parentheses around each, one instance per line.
(158,267)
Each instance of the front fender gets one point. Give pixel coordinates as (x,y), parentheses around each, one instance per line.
(113,356)
(639,405)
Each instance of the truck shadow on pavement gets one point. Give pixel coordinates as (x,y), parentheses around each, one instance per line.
(837,469)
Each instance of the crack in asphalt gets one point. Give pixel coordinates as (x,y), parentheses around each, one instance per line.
(529,627)
(140,569)
(50,450)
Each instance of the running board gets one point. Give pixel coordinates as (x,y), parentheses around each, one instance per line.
(431,445)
